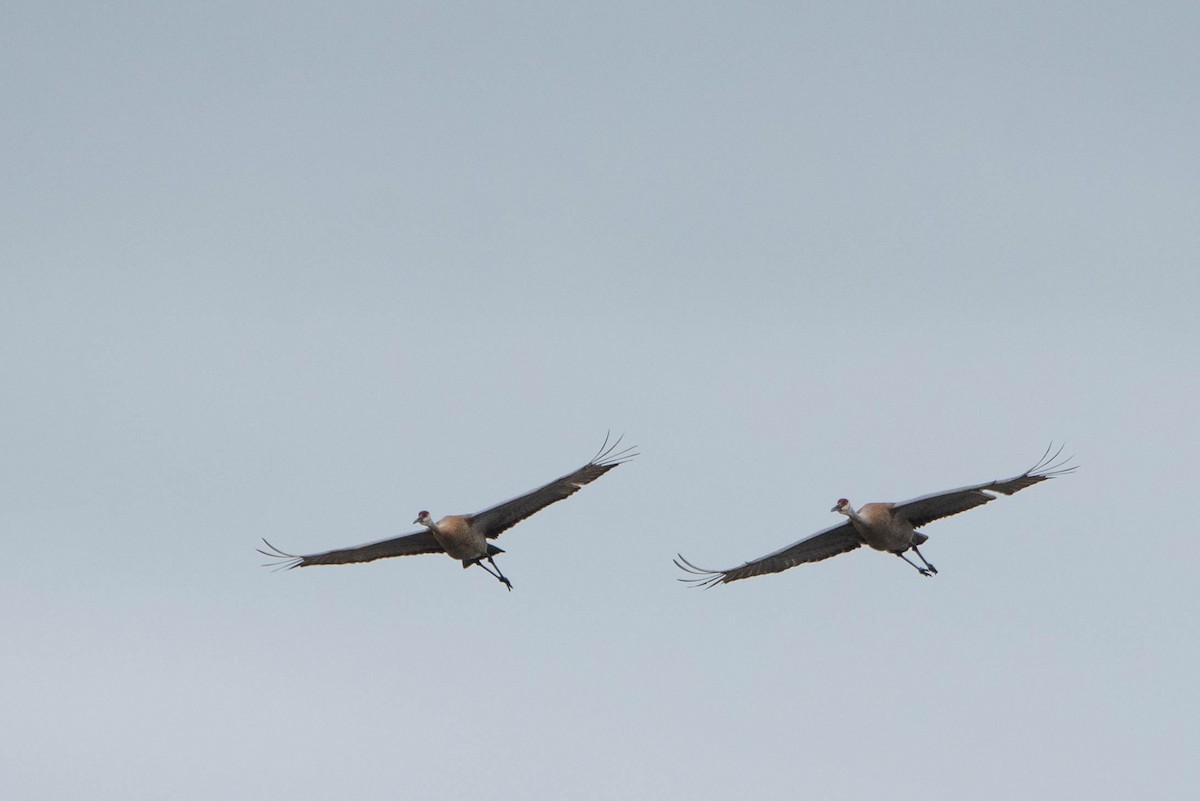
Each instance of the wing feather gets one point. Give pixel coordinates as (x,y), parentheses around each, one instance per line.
(927,508)
(839,539)
(407,545)
(498,519)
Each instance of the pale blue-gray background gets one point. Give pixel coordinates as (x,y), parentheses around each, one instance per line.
(299,270)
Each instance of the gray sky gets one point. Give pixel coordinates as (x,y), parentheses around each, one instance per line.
(301,270)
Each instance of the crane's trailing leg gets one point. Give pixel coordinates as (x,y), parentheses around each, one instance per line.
(500,575)
(920,569)
(932,569)
(497,574)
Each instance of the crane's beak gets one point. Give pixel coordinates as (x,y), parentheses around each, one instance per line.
(418,520)
(835,508)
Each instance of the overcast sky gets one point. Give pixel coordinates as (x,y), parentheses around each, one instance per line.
(299,270)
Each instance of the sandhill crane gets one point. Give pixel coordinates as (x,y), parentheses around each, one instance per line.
(465,537)
(887,527)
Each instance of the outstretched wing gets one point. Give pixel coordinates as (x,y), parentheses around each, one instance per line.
(842,538)
(927,508)
(495,521)
(408,545)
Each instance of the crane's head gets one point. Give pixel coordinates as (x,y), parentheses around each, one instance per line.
(842,506)
(424,519)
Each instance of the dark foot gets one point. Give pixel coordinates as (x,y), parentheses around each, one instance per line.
(925,572)
(921,556)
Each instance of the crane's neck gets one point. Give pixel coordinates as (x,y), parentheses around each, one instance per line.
(848,511)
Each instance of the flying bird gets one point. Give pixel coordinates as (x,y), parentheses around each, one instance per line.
(465,537)
(890,527)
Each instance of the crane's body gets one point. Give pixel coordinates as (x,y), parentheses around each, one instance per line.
(880,527)
(461,539)
(890,527)
(457,538)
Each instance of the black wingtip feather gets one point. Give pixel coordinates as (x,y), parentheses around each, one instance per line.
(704,578)
(609,456)
(283,560)
(1050,466)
